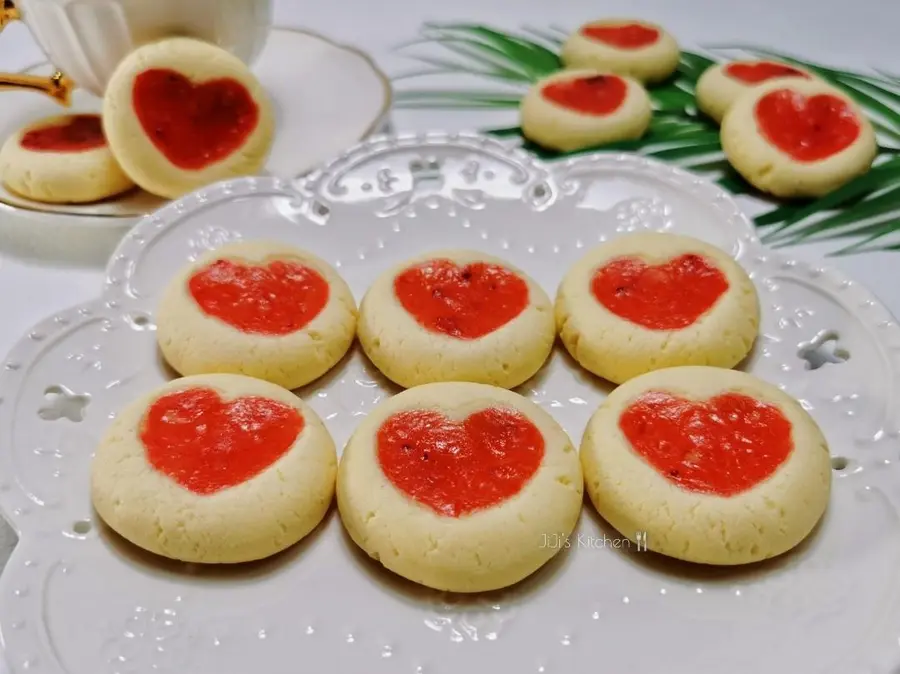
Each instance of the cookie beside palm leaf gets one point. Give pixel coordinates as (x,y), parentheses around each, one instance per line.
(849,203)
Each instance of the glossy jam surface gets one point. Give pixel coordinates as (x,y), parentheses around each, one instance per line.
(274,299)
(78,134)
(206,444)
(754,72)
(623,36)
(722,446)
(807,128)
(458,467)
(599,95)
(466,302)
(668,296)
(193,125)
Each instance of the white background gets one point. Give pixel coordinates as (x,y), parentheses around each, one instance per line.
(852,34)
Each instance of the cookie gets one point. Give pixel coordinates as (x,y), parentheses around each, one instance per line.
(798,138)
(711,466)
(62,160)
(259,308)
(215,469)
(456,315)
(575,109)
(722,84)
(647,301)
(629,47)
(182,113)
(460,487)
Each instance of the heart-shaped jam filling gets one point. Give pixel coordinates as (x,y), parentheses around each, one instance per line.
(273,299)
(623,36)
(723,446)
(206,444)
(193,124)
(77,134)
(754,72)
(598,95)
(807,128)
(466,302)
(458,467)
(668,296)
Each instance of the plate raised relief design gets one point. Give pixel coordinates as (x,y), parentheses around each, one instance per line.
(75,599)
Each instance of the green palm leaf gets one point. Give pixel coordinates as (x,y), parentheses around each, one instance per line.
(549,37)
(878,178)
(457,100)
(865,211)
(537,59)
(839,224)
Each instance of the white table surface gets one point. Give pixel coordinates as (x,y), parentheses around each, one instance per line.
(858,34)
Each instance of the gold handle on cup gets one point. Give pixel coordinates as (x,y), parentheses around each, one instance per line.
(57,86)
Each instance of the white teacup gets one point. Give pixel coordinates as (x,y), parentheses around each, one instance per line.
(86,39)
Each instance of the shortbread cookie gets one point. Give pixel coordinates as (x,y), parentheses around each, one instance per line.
(216,469)
(722,84)
(62,160)
(258,308)
(574,109)
(711,466)
(647,301)
(456,315)
(798,138)
(460,487)
(182,113)
(637,49)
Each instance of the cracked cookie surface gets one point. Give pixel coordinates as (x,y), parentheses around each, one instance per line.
(456,315)
(215,469)
(715,466)
(458,486)
(647,301)
(258,308)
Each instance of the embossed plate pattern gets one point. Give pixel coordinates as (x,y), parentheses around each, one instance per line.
(74,599)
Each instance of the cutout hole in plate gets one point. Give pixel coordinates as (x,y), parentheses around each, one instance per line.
(62,402)
(823,349)
(839,463)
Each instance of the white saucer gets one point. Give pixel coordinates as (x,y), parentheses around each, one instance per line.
(327,98)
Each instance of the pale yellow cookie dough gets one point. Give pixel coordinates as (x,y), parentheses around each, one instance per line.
(717,91)
(617,349)
(483,550)
(249,521)
(60,177)
(652,63)
(409,354)
(200,62)
(764,521)
(555,127)
(773,171)
(194,342)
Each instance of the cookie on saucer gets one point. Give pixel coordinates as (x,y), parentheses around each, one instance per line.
(647,301)
(215,469)
(181,113)
(710,465)
(460,487)
(798,138)
(575,109)
(722,84)
(259,308)
(628,47)
(62,160)
(456,315)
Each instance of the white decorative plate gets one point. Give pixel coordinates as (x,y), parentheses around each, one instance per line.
(75,599)
(327,97)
